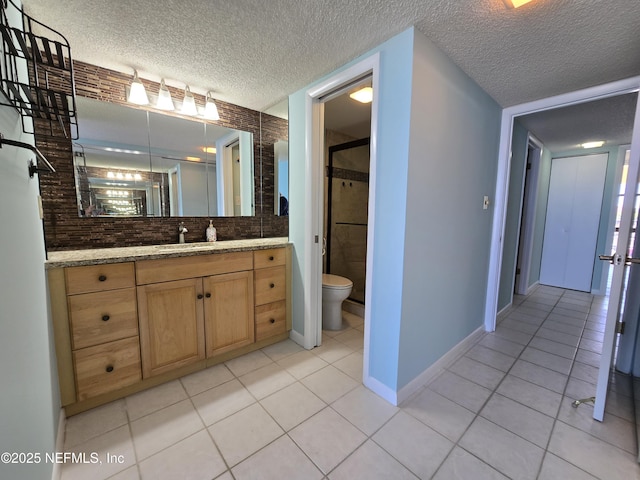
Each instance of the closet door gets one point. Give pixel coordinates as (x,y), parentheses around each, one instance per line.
(573,217)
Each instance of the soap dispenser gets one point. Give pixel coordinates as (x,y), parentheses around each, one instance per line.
(211,232)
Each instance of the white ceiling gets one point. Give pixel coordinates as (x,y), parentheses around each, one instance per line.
(255,52)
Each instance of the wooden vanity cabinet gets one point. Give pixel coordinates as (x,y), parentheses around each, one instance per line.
(103,321)
(270,292)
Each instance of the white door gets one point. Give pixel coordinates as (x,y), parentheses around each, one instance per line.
(572,222)
(624,258)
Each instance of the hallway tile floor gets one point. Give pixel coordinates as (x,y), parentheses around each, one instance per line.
(501,410)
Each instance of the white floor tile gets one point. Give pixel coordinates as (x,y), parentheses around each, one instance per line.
(244,433)
(547,360)
(512,335)
(407,440)
(165,427)
(217,403)
(351,365)
(477,372)
(501,345)
(327,439)
(302,364)
(283,349)
(279,460)
(247,363)
(370,462)
(87,425)
(592,455)
(329,383)
(530,394)
(206,379)
(130,473)
(440,413)
(194,458)
(460,390)
(266,380)
(364,409)
(519,419)
(505,451)
(116,442)
(554,468)
(490,357)
(331,350)
(292,405)
(154,399)
(461,465)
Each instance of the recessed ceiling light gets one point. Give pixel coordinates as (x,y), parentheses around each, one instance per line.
(193,159)
(364,95)
(592,144)
(209,149)
(515,3)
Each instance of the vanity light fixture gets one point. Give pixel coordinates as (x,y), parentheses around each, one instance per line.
(137,92)
(209,150)
(164,102)
(592,144)
(515,3)
(210,108)
(189,103)
(363,95)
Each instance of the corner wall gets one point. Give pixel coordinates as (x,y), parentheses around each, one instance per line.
(453,156)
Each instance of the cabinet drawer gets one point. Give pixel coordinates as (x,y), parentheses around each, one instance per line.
(271,319)
(181,268)
(107,367)
(102,317)
(269,258)
(96,278)
(270,285)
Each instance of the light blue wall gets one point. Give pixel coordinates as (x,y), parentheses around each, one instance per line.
(453,157)
(394,104)
(519,144)
(29,400)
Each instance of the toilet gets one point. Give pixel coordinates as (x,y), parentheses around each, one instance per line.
(335,290)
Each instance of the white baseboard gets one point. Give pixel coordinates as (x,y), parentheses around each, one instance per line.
(56,473)
(436,368)
(381,390)
(532,288)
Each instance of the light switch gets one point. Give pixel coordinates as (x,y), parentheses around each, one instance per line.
(485,202)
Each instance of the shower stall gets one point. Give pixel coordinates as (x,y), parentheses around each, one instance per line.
(346,213)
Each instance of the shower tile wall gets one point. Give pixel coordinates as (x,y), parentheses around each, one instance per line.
(348,229)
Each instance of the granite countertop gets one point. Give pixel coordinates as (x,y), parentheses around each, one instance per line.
(97,256)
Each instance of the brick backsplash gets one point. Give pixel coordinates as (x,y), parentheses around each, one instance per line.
(64,229)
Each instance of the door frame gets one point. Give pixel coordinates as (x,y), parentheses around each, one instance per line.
(314,187)
(527,219)
(509,114)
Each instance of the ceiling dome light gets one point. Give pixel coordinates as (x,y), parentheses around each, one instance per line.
(515,3)
(189,103)
(210,108)
(165,102)
(137,92)
(364,95)
(592,144)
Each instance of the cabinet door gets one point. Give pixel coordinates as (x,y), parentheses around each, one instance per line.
(171,325)
(228,306)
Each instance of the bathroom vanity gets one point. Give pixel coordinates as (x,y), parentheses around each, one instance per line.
(126,319)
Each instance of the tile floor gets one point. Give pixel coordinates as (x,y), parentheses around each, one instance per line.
(502,410)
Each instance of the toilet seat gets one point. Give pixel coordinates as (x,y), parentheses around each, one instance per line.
(335,282)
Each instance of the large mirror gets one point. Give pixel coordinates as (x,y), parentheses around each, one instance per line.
(132,162)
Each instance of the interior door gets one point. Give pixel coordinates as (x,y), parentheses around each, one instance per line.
(573,217)
(624,257)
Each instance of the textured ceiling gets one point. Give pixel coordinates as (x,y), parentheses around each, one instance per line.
(563,129)
(255,52)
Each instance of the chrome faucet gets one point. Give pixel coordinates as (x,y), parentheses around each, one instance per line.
(181,231)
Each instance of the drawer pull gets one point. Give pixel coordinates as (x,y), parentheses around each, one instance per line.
(105,318)
(109,368)
(102,278)
(208,295)
(200,296)
(272,285)
(272,320)
(271,258)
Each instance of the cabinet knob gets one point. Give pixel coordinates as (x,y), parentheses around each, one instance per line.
(272,285)
(200,296)
(102,278)
(105,318)
(109,368)
(272,320)
(271,258)
(208,295)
